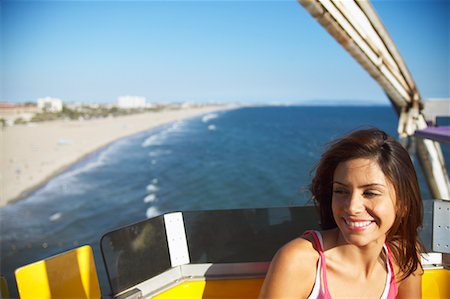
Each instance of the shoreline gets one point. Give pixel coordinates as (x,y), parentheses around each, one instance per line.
(32,155)
(30,190)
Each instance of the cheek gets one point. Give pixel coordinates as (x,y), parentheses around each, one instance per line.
(336,207)
(338,203)
(386,213)
(333,204)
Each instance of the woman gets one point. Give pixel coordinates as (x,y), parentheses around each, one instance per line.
(370,208)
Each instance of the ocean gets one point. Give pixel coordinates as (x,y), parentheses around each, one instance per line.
(249,157)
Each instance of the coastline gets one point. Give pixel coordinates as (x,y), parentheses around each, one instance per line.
(33,154)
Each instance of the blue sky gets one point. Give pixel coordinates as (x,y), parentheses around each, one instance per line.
(95,51)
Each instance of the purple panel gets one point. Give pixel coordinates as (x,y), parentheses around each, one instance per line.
(440,134)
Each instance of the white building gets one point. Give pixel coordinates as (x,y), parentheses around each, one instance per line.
(49,104)
(129,102)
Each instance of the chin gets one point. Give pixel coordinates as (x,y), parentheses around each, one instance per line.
(361,237)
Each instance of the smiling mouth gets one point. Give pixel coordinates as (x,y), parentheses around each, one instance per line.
(357,224)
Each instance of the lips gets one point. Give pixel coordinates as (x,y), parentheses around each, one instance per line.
(357,224)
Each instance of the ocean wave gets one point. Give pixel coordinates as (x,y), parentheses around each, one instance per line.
(102,157)
(152,188)
(212,127)
(152,140)
(209,117)
(160,137)
(152,212)
(68,183)
(157,153)
(55,216)
(150,198)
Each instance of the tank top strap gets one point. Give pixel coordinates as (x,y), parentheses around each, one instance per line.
(318,243)
(393,288)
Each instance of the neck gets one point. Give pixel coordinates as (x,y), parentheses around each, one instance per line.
(364,257)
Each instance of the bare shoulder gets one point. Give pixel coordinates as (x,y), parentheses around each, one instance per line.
(411,286)
(292,271)
(298,252)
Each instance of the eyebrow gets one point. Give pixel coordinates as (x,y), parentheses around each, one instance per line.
(363,186)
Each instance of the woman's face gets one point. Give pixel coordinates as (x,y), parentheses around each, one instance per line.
(363,202)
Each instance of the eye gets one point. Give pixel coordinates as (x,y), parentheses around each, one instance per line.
(371,194)
(340,191)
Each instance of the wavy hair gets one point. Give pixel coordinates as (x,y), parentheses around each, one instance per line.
(398,168)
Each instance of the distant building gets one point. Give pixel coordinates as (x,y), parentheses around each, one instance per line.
(130,102)
(10,112)
(49,104)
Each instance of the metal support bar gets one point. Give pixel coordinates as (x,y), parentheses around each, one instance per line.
(357,27)
(363,36)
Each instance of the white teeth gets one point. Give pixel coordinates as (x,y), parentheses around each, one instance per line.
(358,223)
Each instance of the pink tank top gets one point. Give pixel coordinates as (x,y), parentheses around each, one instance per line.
(320,289)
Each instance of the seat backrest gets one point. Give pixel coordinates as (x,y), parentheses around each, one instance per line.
(71,274)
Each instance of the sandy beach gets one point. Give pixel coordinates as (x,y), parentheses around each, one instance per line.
(32,154)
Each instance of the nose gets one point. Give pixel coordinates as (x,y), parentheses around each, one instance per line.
(355,204)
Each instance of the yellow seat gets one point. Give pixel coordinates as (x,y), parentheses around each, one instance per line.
(215,289)
(436,283)
(71,274)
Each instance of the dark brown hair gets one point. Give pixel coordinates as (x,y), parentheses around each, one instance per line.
(397,166)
